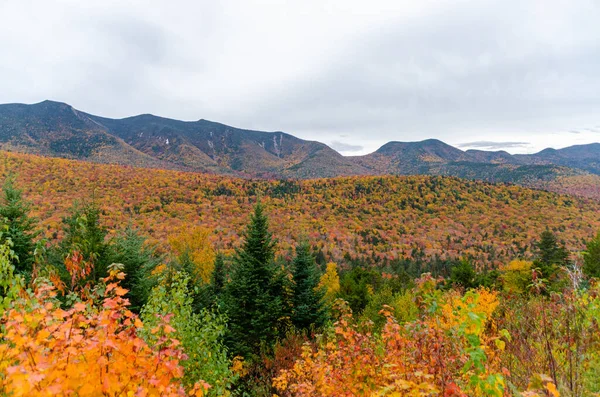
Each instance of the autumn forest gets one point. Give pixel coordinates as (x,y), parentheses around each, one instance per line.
(124,281)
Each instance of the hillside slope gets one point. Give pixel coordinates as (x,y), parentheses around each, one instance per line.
(379,219)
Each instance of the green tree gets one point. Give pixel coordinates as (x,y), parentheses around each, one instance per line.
(357,287)
(253,297)
(218,278)
(85,234)
(307,297)
(550,255)
(201,334)
(464,275)
(18,227)
(591,257)
(10,282)
(139,259)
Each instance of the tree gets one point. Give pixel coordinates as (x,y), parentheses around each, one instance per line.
(217,280)
(464,275)
(550,255)
(84,234)
(139,260)
(91,349)
(194,252)
(307,297)
(18,227)
(330,282)
(591,257)
(10,282)
(358,286)
(200,334)
(253,297)
(516,276)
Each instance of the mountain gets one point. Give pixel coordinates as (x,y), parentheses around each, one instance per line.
(584,157)
(58,130)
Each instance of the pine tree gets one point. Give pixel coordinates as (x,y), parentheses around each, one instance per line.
(252,299)
(550,255)
(463,274)
(18,227)
(217,280)
(85,234)
(591,257)
(307,298)
(139,259)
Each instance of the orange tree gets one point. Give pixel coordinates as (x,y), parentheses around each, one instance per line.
(88,350)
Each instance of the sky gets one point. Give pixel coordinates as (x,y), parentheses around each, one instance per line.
(514,75)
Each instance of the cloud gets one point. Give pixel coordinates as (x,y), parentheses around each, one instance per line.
(460,71)
(345,147)
(488,145)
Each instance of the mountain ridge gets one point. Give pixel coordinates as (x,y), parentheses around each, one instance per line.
(57,129)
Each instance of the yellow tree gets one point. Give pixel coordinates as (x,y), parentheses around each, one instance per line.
(516,276)
(330,282)
(194,252)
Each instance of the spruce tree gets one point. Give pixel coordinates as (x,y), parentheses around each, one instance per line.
(217,280)
(308,310)
(252,299)
(18,227)
(85,234)
(463,274)
(591,257)
(139,260)
(550,255)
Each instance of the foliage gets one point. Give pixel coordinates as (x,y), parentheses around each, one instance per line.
(307,301)
(377,220)
(591,257)
(87,350)
(200,334)
(194,253)
(555,335)
(139,260)
(418,359)
(550,255)
(253,298)
(330,282)
(17,226)
(516,276)
(218,277)
(358,285)
(10,282)
(464,275)
(84,234)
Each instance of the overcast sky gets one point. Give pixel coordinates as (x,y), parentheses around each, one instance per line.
(518,75)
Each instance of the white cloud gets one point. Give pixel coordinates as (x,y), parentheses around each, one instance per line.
(460,71)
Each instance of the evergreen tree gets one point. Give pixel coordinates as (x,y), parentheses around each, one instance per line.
(85,234)
(217,280)
(307,296)
(253,297)
(463,274)
(18,227)
(550,255)
(591,257)
(139,259)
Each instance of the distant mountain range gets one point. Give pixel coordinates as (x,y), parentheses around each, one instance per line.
(58,130)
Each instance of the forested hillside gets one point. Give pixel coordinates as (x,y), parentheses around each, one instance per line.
(372,220)
(99,309)
(57,129)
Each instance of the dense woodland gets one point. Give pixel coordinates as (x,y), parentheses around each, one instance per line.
(377,221)
(120,281)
